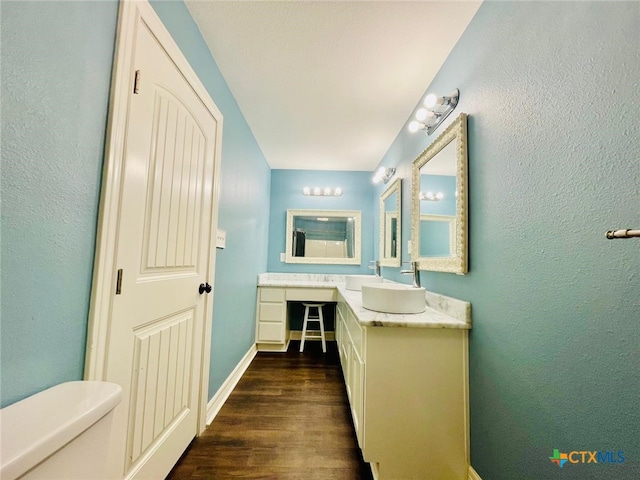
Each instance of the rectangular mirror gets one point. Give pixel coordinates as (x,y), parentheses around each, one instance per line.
(439,202)
(390,228)
(323,236)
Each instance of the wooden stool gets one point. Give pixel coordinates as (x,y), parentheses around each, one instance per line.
(315,334)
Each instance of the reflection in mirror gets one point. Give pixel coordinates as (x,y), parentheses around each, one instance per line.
(438,197)
(390,228)
(323,236)
(441,232)
(439,202)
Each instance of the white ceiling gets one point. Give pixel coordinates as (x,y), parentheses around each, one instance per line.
(327,85)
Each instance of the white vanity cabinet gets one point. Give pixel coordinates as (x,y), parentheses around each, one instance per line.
(271,316)
(408,395)
(350,339)
(272,322)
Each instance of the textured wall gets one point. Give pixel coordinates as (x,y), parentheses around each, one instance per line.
(56,70)
(244,206)
(553,97)
(286,193)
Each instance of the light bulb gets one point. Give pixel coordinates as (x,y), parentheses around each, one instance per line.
(306,191)
(431,121)
(432,100)
(439,195)
(423,114)
(316,191)
(415,126)
(327,191)
(337,192)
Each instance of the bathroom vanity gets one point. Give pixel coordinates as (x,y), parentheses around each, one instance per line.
(274,291)
(406,376)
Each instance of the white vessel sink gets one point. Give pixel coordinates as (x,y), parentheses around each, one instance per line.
(355,282)
(393,298)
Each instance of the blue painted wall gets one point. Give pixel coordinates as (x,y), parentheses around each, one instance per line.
(286,193)
(553,163)
(56,70)
(554,103)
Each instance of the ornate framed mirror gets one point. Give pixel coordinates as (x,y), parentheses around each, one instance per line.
(390,225)
(323,236)
(439,202)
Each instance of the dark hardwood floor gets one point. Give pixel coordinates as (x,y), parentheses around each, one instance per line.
(288,418)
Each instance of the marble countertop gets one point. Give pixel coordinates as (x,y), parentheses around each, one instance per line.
(299,280)
(430,318)
(441,311)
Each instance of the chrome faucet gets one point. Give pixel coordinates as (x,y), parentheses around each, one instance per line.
(376,267)
(415,272)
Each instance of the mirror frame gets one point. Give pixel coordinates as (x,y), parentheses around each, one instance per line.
(395,187)
(458,263)
(356,214)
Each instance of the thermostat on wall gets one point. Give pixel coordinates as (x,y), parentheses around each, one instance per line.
(221,238)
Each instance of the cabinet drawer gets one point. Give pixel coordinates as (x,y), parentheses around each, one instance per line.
(271,312)
(311,294)
(271,294)
(271,332)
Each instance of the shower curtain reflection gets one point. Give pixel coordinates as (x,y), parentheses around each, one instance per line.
(299,240)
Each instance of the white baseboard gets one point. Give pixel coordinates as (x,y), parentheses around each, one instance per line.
(215,404)
(297,335)
(273,347)
(473,475)
(375,473)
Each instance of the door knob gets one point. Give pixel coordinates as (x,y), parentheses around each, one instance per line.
(204,287)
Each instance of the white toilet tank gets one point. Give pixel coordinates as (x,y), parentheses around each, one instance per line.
(60,433)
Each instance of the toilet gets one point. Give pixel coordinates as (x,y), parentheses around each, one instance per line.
(60,433)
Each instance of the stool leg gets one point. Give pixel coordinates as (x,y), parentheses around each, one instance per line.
(324,343)
(304,328)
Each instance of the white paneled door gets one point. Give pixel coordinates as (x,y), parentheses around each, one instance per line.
(159,308)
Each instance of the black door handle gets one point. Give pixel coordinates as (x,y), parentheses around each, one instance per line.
(204,287)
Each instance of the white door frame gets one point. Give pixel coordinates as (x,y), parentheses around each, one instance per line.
(104,276)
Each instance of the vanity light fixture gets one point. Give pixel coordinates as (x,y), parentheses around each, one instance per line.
(384,174)
(432,197)
(435,110)
(322,192)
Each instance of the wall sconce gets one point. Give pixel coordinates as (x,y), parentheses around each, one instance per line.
(322,192)
(384,174)
(435,110)
(432,197)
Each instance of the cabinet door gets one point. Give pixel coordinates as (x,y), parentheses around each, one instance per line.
(356,382)
(346,367)
(339,335)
